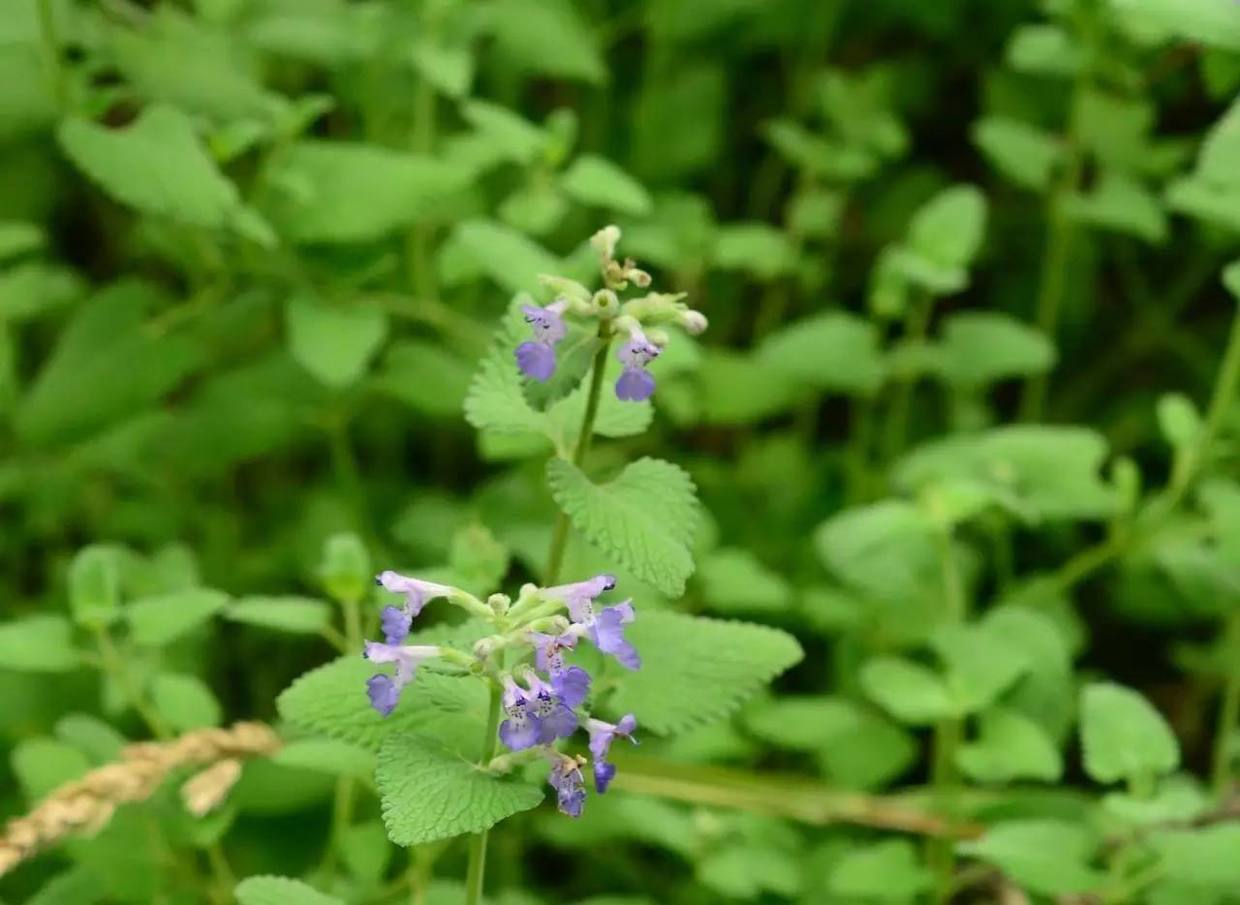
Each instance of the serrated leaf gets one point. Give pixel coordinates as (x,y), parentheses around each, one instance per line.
(1049,857)
(162,619)
(596,181)
(712,666)
(430,793)
(908,691)
(645,517)
(280,891)
(1123,736)
(335,343)
(1010,746)
(297,615)
(95,586)
(981,347)
(38,644)
(332,700)
(833,351)
(156,164)
(185,702)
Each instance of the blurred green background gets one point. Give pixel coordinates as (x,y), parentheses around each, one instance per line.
(251,252)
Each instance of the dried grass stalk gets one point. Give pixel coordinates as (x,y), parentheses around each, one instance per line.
(87,804)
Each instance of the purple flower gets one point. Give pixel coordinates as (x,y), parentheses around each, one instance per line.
(523,729)
(607,633)
(601,736)
(536,358)
(579,596)
(417,594)
(384,690)
(636,383)
(570,789)
(548,650)
(556,718)
(395,622)
(572,685)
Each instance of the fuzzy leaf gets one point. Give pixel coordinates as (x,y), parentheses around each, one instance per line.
(645,517)
(697,670)
(1123,736)
(430,793)
(332,700)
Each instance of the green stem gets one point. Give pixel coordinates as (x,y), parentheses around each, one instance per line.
(916,323)
(421,237)
(1228,714)
(559,534)
(475,873)
(1054,280)
(114,665)
(51,51)
(944,779)
(857,453)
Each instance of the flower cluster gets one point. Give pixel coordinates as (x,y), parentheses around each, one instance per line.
(542,700)
(640,346)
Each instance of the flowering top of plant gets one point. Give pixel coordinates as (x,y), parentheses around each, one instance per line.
(536,357)
(543,698)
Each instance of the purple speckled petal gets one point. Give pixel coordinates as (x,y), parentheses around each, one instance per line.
(607,633)
(579,596)
(561,722)
(570,793)
(634,385)
(519,733)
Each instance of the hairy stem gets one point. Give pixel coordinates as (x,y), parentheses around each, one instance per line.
(475,873)
(559,534)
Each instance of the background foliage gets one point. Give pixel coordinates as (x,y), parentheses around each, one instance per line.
(964,424)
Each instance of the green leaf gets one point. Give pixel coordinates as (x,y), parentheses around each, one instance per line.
(1203,857)
(342,191)
(1024,154)
(1048,857)
(745,869)
(908,691)
(887,550)
(38,644)
(92,736)
(95,586)
(1122,204)
(335,343)
(431,793)
(1231,278)
(981,347)
(596,181)
(711,665)
(1123,736)
(332,700)
(525,30)
(516,138)
(832,351)
(645,517)
(162,619)
(510,259)
(345,569)
(280,891)
(1178,420)
(42,764)
(450,69)
(34,288)
(1010,746)
(948,229)
(425,376)
(884,871)
(755,248)
(735,581)
(1038,472)
(296,615)
(185,702)
(1044,50)
(980,663)
(156,165)
(17,238)
(738,389)
(328,755)
(856,747)
(1197,21)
